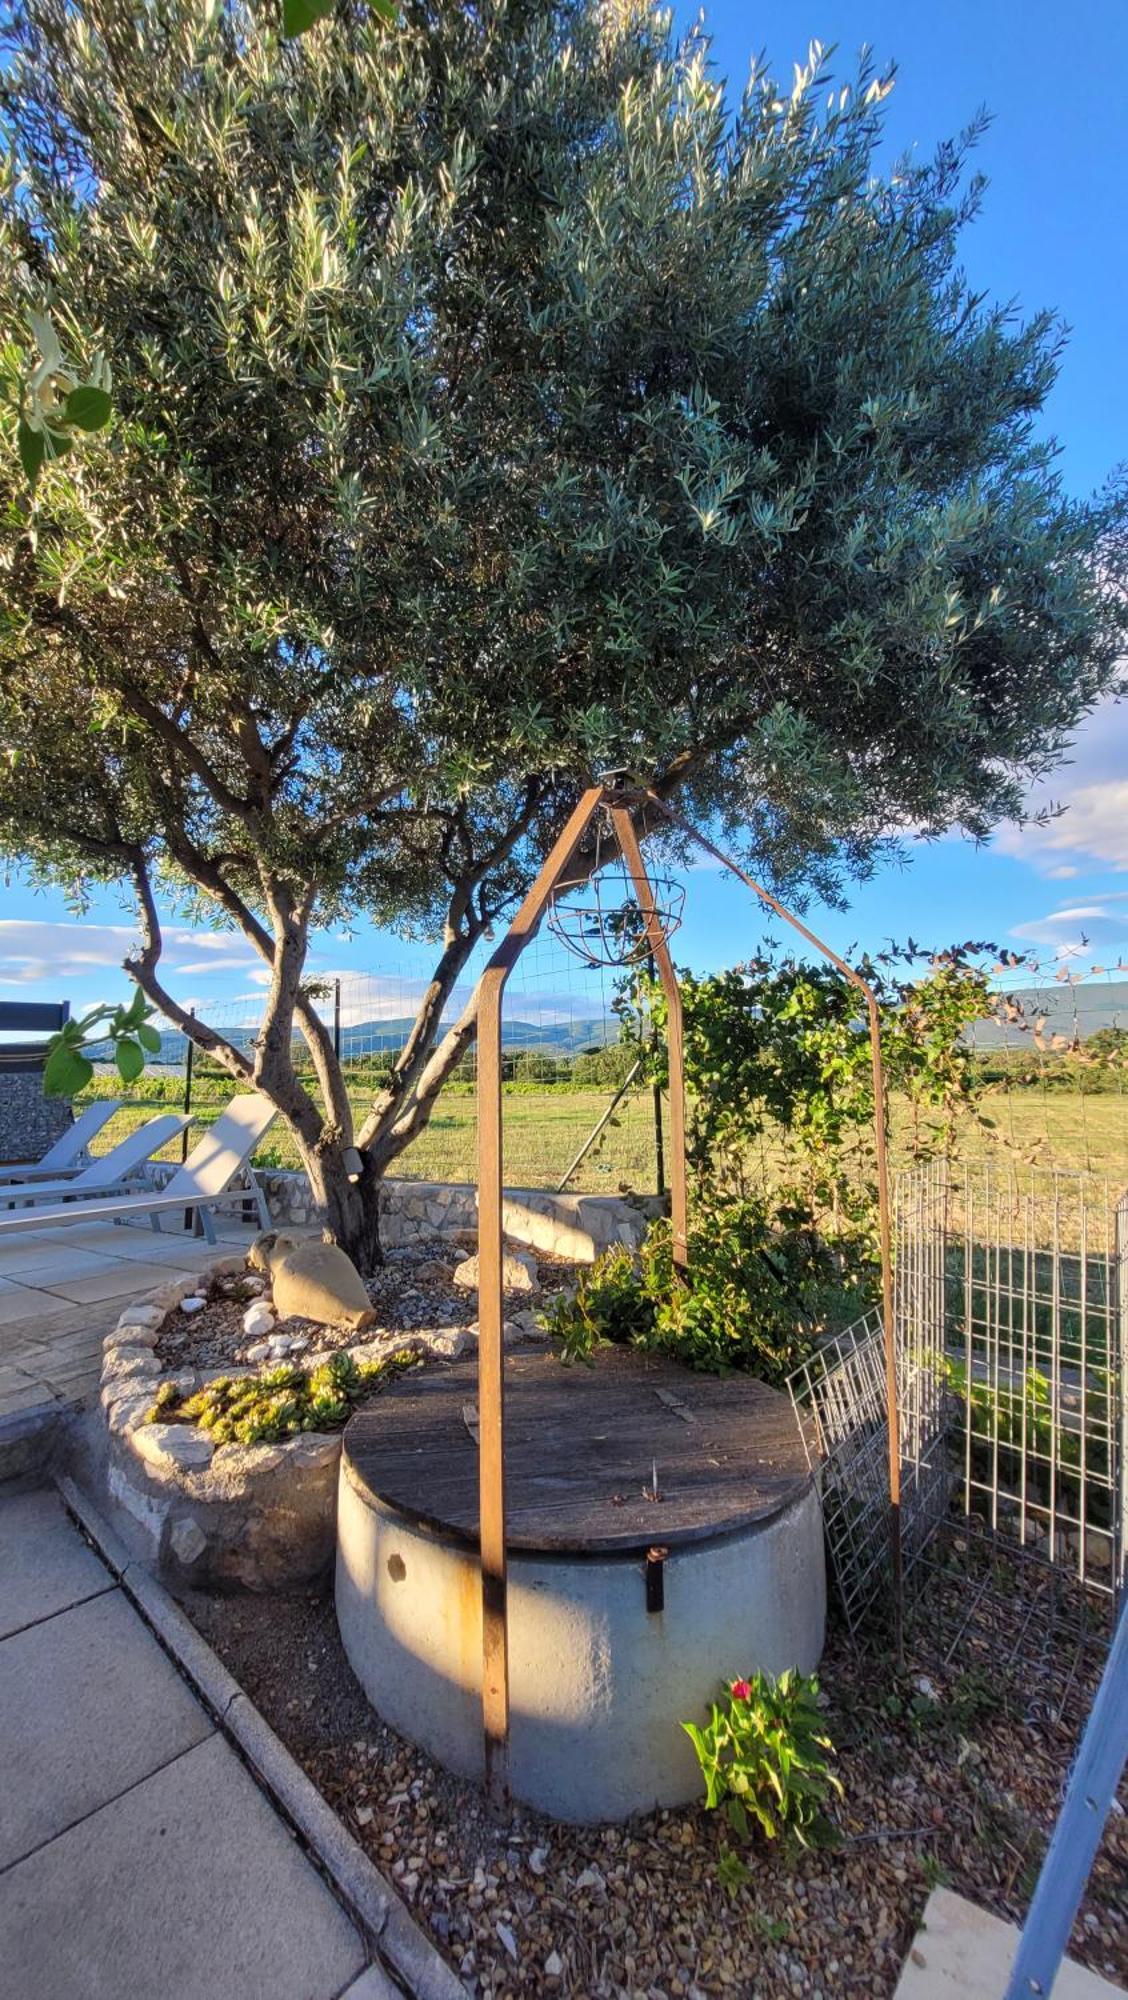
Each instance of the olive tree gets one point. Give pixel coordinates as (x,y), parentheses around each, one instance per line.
(492,404)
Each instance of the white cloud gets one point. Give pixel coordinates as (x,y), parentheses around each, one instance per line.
(1092,785)
(33,952)
(1078,930)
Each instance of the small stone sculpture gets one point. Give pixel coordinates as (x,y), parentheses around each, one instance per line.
(312,1279)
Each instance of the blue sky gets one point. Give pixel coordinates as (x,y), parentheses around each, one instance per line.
(1052,233)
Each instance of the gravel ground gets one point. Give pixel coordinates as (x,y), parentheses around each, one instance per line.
(950,1776)
(413,1291)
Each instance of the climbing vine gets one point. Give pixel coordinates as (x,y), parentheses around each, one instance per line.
(781,1149)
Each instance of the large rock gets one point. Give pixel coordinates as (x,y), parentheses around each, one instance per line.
(314,1280)
(518,1272)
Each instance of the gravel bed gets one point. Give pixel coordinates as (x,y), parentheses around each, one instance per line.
(944,1782)
(412,1291)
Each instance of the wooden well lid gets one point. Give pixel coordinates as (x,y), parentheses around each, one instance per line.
(580,1445)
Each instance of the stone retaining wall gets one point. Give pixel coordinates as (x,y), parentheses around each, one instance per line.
(262,1517)
(575,1226)
(251,1517)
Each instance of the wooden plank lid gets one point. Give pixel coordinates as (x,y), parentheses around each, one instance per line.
(582,1446)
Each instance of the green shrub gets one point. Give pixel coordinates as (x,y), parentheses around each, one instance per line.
(281,1402)
(610,1303)
(761,1287)
(764,1756)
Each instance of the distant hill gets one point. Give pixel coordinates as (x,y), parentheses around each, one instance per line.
(369,1038)
(1066,1009)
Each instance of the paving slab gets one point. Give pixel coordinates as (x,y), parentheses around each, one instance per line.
(62,1289)
(964,1953)
(19,1300)
(45,1567)
(28,1253)
(62,1261)
(115,1280)
(36,1393)
(186,1888)
(90,1706)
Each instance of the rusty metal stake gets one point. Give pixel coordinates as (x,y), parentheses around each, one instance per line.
(491,1362)
(885,1235)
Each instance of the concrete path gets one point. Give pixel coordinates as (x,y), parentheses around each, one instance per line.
(964,1953)
(62,1289)
(137,1854)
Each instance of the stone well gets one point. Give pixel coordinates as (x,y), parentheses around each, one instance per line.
(626,1611)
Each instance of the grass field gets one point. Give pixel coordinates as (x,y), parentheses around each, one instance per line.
(544,1128)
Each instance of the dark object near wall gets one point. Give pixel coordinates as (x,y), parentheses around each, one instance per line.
(29,1122)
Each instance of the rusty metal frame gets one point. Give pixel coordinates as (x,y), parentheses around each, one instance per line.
(622,800)
(884,1205)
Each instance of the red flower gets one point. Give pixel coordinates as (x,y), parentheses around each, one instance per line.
(741,1690)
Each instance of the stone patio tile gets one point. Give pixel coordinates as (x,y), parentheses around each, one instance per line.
(72,1383)
(189,1888)
(91,1705)
(174,1256)
(63,1350)
(103,1236)
(32,1251)
(14,1400)
(117,1280)
(20,1304)
(964,1953)
(12,1378)
(45,1566)
(71,1262)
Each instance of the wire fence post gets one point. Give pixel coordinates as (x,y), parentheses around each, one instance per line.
(337,1019)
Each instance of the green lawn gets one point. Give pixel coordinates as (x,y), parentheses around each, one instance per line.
(544,1128)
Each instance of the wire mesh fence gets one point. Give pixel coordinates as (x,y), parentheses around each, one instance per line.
(1036,1366)
(567,1113)
(1011,1314)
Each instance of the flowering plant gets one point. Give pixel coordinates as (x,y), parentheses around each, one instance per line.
(764,1757)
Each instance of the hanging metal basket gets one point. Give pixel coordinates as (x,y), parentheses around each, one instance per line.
(600,920)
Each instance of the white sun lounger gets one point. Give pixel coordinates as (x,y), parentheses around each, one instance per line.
(111,1173)
(65,1157)
(217,1167)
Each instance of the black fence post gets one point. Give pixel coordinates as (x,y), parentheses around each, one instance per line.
(189,1060)
(189,1064)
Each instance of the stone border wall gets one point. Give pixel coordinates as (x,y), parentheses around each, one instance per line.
(575,1226)
(252,1517)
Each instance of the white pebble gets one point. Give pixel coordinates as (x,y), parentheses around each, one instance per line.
(553,1965)
(192,1305)
(258,1319)
(259,1352)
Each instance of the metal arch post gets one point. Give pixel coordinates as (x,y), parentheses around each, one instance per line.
(885,1234)
(491,1371)
(632,854)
